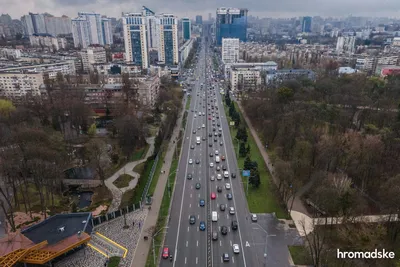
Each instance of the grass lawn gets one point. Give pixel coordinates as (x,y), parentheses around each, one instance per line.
(300,255)
(114,261)
(134,196)
(139,153)
(123,180)
(163,215)
(263,199)
(188,102)
(139,168)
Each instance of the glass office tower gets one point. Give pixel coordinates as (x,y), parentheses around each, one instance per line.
(231,23)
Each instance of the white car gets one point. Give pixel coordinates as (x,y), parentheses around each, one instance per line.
(226,174)
(231,210)
(190,161)
(253,217)
(211,164)
(219,176)
(195,115)
(227,186)
(212,178)
(216,152)
(203,126)
(236,249)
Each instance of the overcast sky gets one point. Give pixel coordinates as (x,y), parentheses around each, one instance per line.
(190,8)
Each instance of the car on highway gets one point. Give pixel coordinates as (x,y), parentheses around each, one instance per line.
(222,207)
(190,161)
(221,144)
(197,161)
(219,189)
(219,134)
(194,132)
(224,230)
(233,175)
(203,126)
(189,176)
(215,140)
(219,176)
(215,134)
(216,152)
(223,158)
(227,186)
(165,253)
(224,168)
(203,138)
(202,226)
(214,236)
(211,155)
(192,219)
(212,178)
(254,217)
(202,202)
(211,164)
(234,225)
(198,185)
(209,134)
(213,195)
(192,147)
(210,144)
(226,174)
(235,248)
(229,196)
(225,257)
(232,211)
(218,168)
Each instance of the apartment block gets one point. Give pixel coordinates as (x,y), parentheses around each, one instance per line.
(15,85)
(92,55)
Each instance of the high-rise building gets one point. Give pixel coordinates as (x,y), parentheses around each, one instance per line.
(231,23)
(33,23)
(92,55)
(90,28)
(168,33)
(209,17)
(151,29)
(345,44)
(230,50)
(27,24)
(58,25)
(186,29)
(199,19)
(306,24)
(135,39)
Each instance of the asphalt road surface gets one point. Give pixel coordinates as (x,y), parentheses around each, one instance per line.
(261,243)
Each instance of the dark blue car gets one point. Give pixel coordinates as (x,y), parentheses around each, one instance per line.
(202,202)
(202,226)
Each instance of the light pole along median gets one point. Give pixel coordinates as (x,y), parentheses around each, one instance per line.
(154,236)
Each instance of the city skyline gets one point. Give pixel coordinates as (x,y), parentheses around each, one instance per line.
(191,8)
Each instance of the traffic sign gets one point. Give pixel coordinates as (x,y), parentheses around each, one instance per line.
(246,173)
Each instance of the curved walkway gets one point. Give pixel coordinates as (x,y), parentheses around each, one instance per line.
(127,169)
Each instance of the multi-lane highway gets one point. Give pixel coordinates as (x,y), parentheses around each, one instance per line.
(202,188)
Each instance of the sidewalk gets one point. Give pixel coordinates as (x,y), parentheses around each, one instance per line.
(142,250)
(127,169)
(297,204)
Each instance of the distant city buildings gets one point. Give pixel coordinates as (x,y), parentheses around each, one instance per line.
(168,49)
(230,50)
(231,23)
(47,41)
(199,19)
(306,24)
(16,85)
(186,29)
(58,25)
(92,55)
(90,28)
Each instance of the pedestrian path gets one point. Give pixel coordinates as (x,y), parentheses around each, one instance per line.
(127,169)
(142,250)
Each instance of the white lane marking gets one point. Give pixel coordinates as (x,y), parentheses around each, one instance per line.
(220,243)
(191,194)
(233,259)
(197,260)
(198,216)
(187,243)
(229,228)
(197,229)
(183,195)
(190,205)
(227,216)
(197,243)
(221,260)
(199,195)
(230,241)
(185,260)
(247,244)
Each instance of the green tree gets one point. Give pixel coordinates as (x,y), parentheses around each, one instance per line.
(6,108)
(247,163)
(242,150)
(254,178)
(285,94)
(92,130)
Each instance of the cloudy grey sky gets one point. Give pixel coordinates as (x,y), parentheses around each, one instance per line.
(270,8)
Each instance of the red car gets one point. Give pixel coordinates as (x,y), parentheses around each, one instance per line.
(213,195)
(165,253)
(209,118)
(222,157)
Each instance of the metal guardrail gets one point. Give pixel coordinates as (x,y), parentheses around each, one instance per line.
(153,169)
(114,214)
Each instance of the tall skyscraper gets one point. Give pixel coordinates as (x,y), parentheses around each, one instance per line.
(90,28)
(306,24)
(135,39)
(58,25)
(151,29)
(33,23)
(209,17)
(168,32)
(186,28)
(231,23)
(199,19)
(345,44)
(230,50)
(27,24)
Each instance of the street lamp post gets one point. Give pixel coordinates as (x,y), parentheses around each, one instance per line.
(154,254)
(266,243)
(169,185)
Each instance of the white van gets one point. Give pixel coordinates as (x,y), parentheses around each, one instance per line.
(198,140)
(214,216)
(217,159)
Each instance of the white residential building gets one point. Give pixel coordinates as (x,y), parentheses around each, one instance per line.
(65,67)
(53,43)
(184,50)
(90,28)
(230,50)
(134,29)
(262,66)
(92,55)
(58,25)
(10,53)
(346,44)
(245,78)
(148,90)
(15,85)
